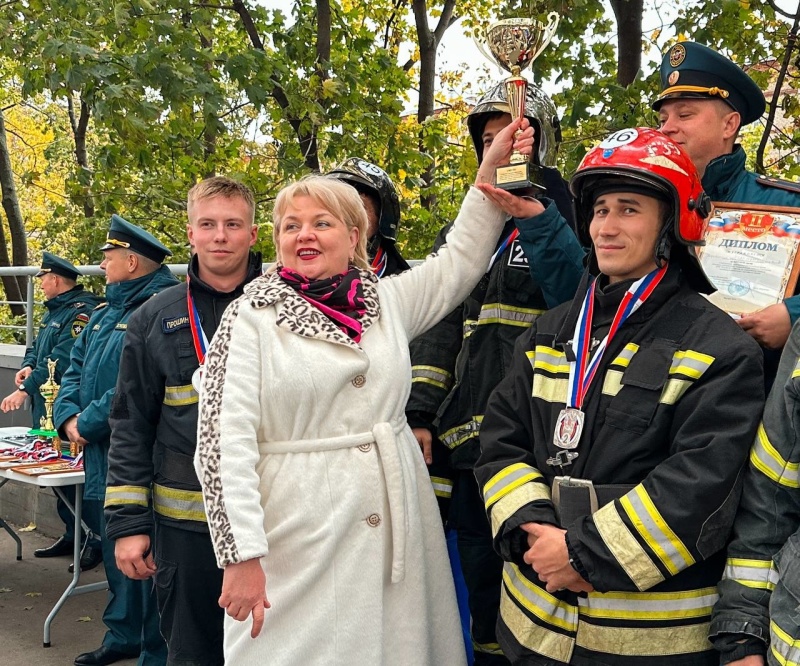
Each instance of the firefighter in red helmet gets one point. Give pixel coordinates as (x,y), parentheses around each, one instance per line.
(611,453)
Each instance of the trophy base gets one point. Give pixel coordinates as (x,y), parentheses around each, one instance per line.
(43,433)
(519,176)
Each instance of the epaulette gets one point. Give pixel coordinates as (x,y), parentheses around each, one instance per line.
(101,306)
(787,185)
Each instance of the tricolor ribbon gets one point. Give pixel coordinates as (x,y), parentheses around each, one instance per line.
(198,334)
(506,242)
(379,262)
(581,370)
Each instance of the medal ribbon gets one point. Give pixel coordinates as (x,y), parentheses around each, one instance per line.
(582,371)
(379,262)
(198,334)
(506,242)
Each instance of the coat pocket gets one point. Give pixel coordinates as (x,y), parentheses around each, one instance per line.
(642,383)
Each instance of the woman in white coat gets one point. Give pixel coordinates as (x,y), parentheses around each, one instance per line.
(319,504)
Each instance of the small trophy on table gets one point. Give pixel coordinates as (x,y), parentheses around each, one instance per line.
(49,391)
(513,44)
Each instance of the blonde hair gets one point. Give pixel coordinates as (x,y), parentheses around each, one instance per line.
(338,198)
(221,186)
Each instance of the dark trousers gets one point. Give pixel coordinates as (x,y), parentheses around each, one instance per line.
(131,615)
(482,567)
(188,585)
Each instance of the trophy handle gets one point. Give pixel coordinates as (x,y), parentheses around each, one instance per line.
(553,19)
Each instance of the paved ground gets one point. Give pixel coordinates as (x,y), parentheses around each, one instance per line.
(28,591)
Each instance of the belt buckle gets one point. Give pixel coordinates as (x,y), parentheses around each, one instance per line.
(571,481)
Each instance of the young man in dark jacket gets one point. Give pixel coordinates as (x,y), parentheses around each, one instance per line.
(153,505)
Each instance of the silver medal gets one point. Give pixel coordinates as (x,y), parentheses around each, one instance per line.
(569,427)
(197,378)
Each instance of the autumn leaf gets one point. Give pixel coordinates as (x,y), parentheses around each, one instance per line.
(30,528)
(33,594)
(84,618)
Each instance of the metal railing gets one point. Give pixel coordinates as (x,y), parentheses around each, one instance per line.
(29,303)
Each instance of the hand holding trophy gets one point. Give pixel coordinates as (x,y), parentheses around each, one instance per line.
(513,44)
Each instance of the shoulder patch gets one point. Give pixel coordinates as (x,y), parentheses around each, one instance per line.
(172,324)
(777,183)
(79,324)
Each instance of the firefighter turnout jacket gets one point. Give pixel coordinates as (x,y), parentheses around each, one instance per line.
(760,590)
(457,364)
(670,417)
(154,414)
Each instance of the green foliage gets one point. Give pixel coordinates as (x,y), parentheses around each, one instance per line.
(178,89)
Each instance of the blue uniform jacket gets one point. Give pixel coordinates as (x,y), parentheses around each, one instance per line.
(66,316)
(88,386)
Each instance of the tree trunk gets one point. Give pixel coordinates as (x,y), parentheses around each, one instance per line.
(428,41)
(79,126)
(629,39)
(15,287)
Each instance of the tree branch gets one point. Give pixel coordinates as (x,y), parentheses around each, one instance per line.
(323,37)
(446,19)
(773,106)
(308,141)
(778,10)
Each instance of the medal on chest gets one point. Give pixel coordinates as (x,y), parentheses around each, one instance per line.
(569,428)
(199,338)
(197,379)
(571,420)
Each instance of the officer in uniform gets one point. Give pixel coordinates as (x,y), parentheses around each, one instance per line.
(704,101)
(383,212)
(153,490)
(611,453)
(457,364)
(68,307)
(134,272)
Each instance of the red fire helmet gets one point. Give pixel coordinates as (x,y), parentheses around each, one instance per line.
(644,160)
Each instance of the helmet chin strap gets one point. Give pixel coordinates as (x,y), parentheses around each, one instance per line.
(664,242)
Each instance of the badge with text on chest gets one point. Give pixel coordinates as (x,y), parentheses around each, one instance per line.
(570,423)
(199,338)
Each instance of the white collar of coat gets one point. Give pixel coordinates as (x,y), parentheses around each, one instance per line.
(297,315)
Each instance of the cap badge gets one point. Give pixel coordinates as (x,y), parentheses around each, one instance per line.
(677,55)
(673,77)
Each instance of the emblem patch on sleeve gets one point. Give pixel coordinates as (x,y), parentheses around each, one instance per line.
(79,324)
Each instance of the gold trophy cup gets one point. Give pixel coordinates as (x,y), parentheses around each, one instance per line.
(513,44)
(49,391)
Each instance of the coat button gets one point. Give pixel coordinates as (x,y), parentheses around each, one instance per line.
(373,520)
(366,448)
(359,381)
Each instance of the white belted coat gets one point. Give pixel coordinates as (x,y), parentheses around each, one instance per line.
(307,462)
